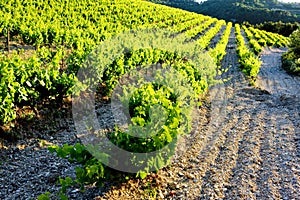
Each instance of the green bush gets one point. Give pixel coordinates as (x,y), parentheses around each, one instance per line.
(140,104)
(126,62)
(291,59)
(294,45)
(28,82)
(159,111)
(262,42)
(290,63)
(249,62)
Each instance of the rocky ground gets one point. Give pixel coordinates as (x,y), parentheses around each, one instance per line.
(245,145)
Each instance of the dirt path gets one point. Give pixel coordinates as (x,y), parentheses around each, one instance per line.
(273,78)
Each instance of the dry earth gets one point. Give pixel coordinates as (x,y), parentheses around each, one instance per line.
(245,145)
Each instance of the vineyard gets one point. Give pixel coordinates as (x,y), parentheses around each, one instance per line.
(47,50)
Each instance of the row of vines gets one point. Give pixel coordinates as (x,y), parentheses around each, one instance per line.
(64,35)
(248,53)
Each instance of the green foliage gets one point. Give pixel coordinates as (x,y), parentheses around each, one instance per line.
(45,196)
(158,111)
(254,44)
(92,170)
(74,153)
(80,25)
(267,38)
(204,40)
(262,42)
(31,81)
(249,62)
(291,59)
(200,28)
(197,22)
(250,65)
(150,191)
(159,114)
(294,45)
(144,57)
(71,32)
(65,183)
(139,107)
(220,50)
(285,29)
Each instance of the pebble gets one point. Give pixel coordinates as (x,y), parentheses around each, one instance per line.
(190,176)
(180,174)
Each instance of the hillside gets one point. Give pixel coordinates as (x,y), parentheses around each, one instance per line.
(127,99)
(189,5)
(253,11)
